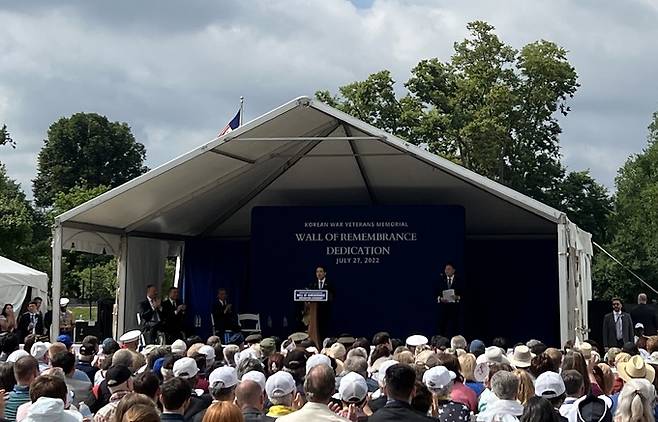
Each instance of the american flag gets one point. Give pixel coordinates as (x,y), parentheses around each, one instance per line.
(232,125)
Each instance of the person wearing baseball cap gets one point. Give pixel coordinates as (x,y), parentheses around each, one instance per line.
(550,386)
(280,389)
(221,383)
(119,381)
(353,392)
(439,380)
(85,357)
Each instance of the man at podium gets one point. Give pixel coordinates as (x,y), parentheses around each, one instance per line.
(323,308)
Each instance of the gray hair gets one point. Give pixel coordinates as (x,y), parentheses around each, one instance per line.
(283,400)
(458,342)
(359,351)
(123,357)
(642,298)
(356,364)
(249,364)
(505,385)
(636,401)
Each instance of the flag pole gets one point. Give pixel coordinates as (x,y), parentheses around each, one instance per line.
(241,108)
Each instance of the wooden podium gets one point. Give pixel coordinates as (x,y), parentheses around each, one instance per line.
(310,318)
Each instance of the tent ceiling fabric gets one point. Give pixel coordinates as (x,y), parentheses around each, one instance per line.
(211,190)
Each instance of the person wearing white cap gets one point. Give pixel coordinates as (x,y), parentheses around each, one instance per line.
(221,384)
(353,391)
(415,341)
(179,347)
(209,353)
(439,380)
(40,352)
(257,377)
(280,389)
(550,386)
(640,339)
(66,319)
(130,339)
(319,386)
(316,360)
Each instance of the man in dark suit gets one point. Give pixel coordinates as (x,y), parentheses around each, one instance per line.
(400,382)
(173,315)
(617,326)
(450,311)
(31,322)
(324,308)
(150,313)
(222,312)
(645,315)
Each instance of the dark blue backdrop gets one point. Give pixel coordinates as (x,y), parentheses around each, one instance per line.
(365,293)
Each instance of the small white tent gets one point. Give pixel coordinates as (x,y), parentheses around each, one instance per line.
(15,278)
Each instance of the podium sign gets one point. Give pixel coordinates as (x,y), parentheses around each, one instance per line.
(311,296)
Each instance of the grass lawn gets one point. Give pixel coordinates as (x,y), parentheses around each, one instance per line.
(82,312)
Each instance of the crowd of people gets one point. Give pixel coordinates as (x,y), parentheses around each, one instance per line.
(343,379)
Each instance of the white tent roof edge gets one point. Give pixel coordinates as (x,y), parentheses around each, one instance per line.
(441,163)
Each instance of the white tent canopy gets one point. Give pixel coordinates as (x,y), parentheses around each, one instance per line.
(307,153)
(15,279)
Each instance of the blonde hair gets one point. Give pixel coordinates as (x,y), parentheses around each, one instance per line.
(636,402)
(467,364)
(223,411)
(140,413)
(526,386)
(608,378)
(404,357)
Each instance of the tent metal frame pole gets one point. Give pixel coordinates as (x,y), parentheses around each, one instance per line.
(268,181)
(563,279)
(233,156)
(57,279)
(359,163)
(118,310)
(312,138)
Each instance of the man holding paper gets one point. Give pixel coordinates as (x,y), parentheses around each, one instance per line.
(448,297)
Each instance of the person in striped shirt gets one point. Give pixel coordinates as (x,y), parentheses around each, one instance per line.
(26,369)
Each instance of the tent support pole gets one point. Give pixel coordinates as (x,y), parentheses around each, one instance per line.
(119,310)
(57,280)
(563,279)
(270,179)
(359,163)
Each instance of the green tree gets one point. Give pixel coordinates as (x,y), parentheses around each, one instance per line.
(86,150)
(492,109)
(16,219)
(5,137)
(634,225)
(587,203)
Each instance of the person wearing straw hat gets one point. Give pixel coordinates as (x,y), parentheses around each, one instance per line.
(521,358)
(634,368)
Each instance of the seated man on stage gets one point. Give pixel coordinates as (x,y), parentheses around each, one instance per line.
(448,294)
(173,315)
(150,312)
(222,312)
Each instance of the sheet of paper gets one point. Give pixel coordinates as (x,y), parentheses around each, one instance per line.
(449,295)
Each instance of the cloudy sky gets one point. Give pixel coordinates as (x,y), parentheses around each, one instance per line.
(174,71)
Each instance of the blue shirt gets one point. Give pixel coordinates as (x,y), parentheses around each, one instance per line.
(20,395)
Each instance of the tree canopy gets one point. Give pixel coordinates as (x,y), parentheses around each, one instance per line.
(633,225)
(86,150)
(494,110)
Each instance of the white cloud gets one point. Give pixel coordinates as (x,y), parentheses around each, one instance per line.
(175,72)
